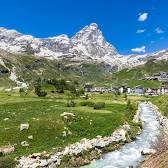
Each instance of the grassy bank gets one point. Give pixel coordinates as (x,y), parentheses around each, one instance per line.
(162,103)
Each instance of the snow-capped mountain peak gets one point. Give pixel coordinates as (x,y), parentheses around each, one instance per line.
(86,45)
(88,42)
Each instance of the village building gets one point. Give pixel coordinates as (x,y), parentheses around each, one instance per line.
(88,87)
(139,90)
(161,76)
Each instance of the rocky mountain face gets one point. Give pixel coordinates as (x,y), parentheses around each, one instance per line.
(87,45)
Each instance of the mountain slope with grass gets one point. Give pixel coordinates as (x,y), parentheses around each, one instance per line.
(133,77)
(27,69)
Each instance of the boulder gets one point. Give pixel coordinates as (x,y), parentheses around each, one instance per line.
(7,150)
(35,155)
(24,127)
(119,134)
(43,163)
(64,134)
(30,137)
(147,151)
(24,143)
(67,114)
(5,119)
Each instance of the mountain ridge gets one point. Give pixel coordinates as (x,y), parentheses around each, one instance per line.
(87,46)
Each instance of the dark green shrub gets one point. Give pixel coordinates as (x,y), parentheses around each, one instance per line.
(71,103)
(99,105)
(43,94)
(87,103)
(40,92)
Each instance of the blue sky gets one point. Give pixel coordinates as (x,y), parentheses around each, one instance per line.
(130,25)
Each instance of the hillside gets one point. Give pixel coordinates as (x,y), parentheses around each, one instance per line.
(88,45)
(28,68)
(132,77)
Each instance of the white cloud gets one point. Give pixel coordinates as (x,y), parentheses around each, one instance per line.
(139,50)
(158,30)
(142,17)
(140,31)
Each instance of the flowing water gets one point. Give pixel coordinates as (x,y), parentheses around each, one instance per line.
(130,154)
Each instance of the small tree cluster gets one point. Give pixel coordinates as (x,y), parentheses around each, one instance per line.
(61,85)
(39,92)
(99,105)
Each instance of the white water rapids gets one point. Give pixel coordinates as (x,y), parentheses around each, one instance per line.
(130,154)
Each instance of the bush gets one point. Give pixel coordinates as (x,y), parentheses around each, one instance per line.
(71,103)
(99,105)
(39,92)
(87,103)
(42,94)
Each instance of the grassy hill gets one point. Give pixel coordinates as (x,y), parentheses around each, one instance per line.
(132,77)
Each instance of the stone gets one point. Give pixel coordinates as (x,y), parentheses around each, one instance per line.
(43,163)
(119,134)
(67,114)
(64,134)
(5,119)
(69,132)
(147,151)
(99,144)
(7,150)
(35,155)
(24,143)
(24,127)
(30,137)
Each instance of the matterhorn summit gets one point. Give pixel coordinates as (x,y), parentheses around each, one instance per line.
(87,45)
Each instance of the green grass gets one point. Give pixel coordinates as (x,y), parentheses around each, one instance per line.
(46,124)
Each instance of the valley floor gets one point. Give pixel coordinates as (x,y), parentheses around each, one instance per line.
(48,130)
